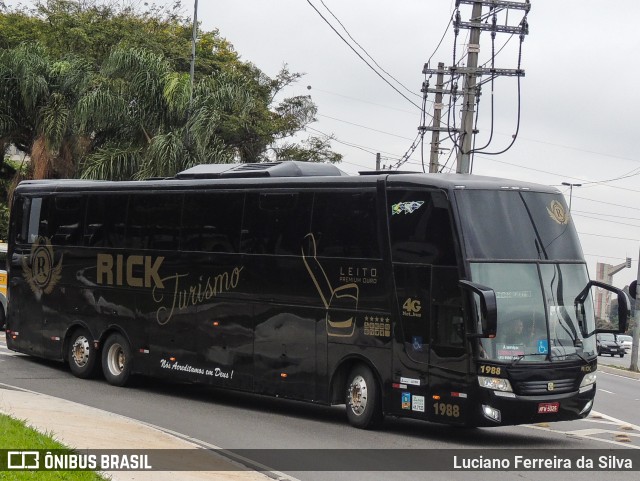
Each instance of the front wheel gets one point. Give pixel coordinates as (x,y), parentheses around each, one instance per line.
(363,399)
(82,354)
(622,354)
(117,360)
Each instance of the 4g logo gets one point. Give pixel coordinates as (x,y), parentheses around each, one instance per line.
(412,308)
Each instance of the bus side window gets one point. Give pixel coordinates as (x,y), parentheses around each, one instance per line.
(211,221)
(66,217)
(104,223)
(345,224)
(153,221)
(20,218)
(276,223)
(37,225)
(420,228)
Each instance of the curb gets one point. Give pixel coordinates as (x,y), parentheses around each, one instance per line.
(618,371)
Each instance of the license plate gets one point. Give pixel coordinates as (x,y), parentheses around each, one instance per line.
(545,408)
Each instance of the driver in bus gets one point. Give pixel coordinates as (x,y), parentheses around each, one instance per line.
(516,333)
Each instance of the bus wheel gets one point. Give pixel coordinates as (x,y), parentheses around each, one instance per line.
(363,400)
(82,355)
(116,360)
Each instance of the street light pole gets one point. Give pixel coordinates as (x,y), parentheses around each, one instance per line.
(194,36)
(571,186)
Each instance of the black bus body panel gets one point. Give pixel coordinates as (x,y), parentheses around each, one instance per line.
(276,317)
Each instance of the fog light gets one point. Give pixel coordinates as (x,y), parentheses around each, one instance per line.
(587,407)
(491,413)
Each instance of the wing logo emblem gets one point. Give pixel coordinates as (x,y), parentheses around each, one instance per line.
(40,272)
(558,213)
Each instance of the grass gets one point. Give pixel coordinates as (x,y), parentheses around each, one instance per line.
(16,435)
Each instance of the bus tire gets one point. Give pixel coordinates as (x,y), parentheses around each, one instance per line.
(363,398)
(82,354)
(117,360)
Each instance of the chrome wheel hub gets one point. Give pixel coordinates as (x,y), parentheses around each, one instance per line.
(358,395)
(116,359)
(80,351)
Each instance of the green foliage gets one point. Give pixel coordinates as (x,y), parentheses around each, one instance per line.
(314,149)
(98,90)
(15,435)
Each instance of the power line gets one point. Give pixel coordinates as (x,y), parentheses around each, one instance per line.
(360,56)
(367,53)
(608,215)
(578,149)
(342,141)
(608,257)
(607,203)
(608,236)
(442,38)
(369,150)
(606,220)
(364,127)
(362,100)
(558,174)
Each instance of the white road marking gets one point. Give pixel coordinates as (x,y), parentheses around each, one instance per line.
(604,390)
(588,433)
(618,375)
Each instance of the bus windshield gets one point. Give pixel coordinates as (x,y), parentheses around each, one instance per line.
(517,225)
(524,246)
(536,315)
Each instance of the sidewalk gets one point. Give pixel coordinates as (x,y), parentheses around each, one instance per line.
(82,427)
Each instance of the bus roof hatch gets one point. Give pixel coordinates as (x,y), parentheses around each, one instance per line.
(289,168)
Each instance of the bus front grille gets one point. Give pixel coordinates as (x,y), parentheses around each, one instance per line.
(538,388)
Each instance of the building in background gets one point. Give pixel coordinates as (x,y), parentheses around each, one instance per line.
(604,273)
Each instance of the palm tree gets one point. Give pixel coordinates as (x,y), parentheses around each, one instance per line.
(36,108)
(138,118)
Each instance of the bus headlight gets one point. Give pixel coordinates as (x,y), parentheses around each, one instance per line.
(495,383)
(587,381)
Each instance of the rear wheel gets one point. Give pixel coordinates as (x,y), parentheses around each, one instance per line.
(82,354)
(622,354)
(116,360)
(363,399)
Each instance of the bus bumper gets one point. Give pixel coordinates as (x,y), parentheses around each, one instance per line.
(502,409)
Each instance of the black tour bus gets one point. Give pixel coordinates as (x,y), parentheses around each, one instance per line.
(450,298)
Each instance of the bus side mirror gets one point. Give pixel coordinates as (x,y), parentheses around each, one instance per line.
(488,307)
(624,311)
(624,306)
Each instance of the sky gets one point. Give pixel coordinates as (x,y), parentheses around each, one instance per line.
(578,100)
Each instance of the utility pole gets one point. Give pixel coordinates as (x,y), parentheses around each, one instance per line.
(378,161)
(437,114)
(636,330)
(472,72)
(468,108)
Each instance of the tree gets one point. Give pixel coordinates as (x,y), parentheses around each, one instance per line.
(121,105)
(37,96)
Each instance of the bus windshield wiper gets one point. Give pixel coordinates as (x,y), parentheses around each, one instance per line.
(521,356)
